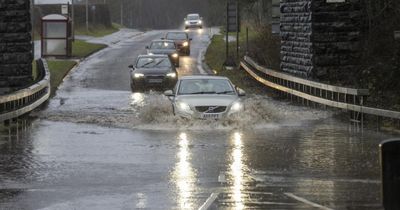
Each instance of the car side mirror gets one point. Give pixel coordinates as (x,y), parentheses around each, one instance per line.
(169,93)
(147,47)
(162,38)
(190,39)
(185,19)
(241,92)
(201,18)
(131,67)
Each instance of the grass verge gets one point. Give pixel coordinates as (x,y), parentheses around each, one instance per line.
(81,49)
(215,58)
(58,70)
(98,31)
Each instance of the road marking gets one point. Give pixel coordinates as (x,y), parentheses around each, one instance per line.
(307,201)
(210,200)
(200,62)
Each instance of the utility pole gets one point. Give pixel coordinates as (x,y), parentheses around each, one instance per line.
(73,20)
(121,13)
(87,15)
(33,26)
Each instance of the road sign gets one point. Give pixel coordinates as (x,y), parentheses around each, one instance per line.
(232,15)
(64,9)
(276,17)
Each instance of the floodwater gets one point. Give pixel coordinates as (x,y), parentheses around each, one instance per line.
(96,145)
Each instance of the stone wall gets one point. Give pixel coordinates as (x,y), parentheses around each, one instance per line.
(321,40)
(15,44)
(296,37)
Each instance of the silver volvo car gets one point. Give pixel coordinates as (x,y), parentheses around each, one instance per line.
(205,97)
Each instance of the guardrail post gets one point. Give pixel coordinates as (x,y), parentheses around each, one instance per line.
(390,165)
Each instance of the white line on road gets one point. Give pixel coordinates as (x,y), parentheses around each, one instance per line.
(210,200)
(307,201)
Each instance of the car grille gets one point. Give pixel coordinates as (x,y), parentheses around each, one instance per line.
(211,109)
(193,22)
(155,79)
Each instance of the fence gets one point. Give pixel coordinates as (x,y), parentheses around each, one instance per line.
(314,92)
(24,101)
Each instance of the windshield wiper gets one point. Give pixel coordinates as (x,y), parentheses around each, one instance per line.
(203,92)
(146,64)
(159,62)
(225,92)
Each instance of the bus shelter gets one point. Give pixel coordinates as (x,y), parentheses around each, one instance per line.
(56,36)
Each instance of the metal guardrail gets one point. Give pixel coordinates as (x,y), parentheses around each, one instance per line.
(309,91)
(25,100)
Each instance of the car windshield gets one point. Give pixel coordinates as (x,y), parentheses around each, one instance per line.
(205,86)
(153,63)
(192,17)
(162,45)
(175,36)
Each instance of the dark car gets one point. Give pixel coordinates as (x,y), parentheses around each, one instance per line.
(181,40)
(164,47)
(153,71)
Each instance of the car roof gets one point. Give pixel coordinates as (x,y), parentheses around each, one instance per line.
(193,14)
(183,32)
(162,40)
(153,56)
(202,77)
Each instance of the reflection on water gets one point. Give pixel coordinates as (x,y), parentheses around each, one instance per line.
(237,170)
(184,175)
(137,99)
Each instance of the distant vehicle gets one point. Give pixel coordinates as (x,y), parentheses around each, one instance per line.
(153,71)
(193,21)
(181,40)
(205,97)
(164,47)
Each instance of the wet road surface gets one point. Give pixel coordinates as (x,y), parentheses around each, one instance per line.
(99,146)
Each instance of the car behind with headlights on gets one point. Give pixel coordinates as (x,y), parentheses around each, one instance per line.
(193,21)
(205,97)
(152,71)
(181,40)
(164,47)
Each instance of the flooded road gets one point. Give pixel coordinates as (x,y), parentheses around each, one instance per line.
(99,146)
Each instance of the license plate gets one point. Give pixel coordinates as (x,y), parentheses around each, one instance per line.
(155,80)
(211,116)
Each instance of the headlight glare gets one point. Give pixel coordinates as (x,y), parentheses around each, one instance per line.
(184,107)
(185,44)
(200,22)
(237,106)
(187,22)
(172,75)
(175,55)
(138,75)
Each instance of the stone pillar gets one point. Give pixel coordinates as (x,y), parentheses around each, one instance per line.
(320,39)
(15,44)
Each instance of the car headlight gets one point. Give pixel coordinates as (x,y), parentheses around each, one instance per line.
(172,75)
(184,107)
(187,22)
(236,107)
(185,44)
(175,55)
(200,22)
(138,75)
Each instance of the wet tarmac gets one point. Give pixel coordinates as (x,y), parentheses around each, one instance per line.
(98,146)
